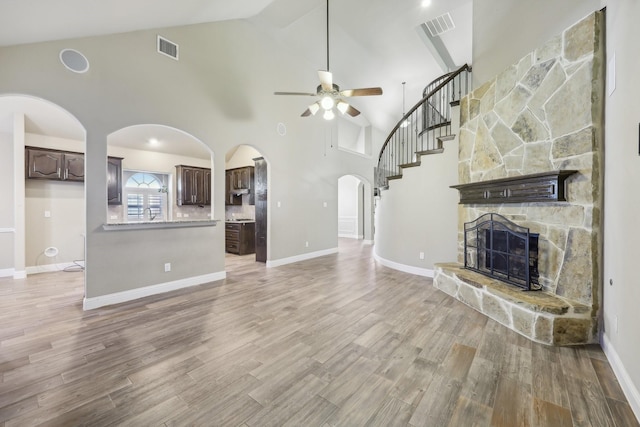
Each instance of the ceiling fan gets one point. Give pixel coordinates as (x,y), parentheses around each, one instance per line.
(329,93)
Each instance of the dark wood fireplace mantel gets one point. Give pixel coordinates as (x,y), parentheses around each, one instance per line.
(538,187)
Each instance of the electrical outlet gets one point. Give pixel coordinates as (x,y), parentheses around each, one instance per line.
(306,244)
(178,214)
(185,215)
(167,267)
(421,255)
(278,204)
(324,204)
(47,214)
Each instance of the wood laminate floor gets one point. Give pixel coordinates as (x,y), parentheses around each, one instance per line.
(334,341)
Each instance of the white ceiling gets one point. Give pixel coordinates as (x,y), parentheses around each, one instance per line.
(373,42)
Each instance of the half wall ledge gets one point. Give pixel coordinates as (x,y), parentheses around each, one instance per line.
(537,315)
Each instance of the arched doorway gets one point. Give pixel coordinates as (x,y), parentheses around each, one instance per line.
(42,150)
(355,209)
(246,206)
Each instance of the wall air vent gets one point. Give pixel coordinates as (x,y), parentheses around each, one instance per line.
(440,25)
(167,47)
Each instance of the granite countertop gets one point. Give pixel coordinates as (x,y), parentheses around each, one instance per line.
(144,225)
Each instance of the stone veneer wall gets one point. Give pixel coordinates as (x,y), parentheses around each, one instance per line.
(545,113)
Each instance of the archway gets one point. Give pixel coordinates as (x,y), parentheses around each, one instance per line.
(355,208)
(44,228)
(246,205)
(148,161)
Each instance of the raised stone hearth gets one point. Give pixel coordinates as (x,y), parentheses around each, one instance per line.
(539,316)
(543,113)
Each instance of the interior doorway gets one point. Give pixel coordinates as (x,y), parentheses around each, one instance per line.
(355,209)
(246,206)
(43,148)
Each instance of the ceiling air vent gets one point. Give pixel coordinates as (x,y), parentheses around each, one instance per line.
(167,47)
(440,25)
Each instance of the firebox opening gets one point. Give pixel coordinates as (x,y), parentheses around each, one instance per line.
(498,248)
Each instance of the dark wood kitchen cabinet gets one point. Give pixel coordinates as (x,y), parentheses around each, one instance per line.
(239,181)
(43,163)
(230,198)
(193,185)
(240,237)
(114,180)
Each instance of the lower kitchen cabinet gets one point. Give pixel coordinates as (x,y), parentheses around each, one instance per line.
(240,237)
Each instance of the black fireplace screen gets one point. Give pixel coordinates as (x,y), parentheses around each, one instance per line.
(498,248)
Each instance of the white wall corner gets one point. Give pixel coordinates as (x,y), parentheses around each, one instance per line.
(134,294)
(628,387)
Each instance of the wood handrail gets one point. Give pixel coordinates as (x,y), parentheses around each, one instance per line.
(424,99)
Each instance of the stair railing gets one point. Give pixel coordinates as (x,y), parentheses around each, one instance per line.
(423,128)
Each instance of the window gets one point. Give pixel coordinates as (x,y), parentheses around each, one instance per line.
(146,196)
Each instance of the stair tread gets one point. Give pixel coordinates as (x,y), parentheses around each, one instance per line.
(446,137)
(394,177)
(410,165)
(426,152)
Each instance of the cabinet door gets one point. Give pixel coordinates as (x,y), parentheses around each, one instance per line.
(198,186)
(73,167)
(44,164)
(114,180)
(188,186)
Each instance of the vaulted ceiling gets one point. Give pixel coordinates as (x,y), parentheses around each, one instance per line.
(372,42)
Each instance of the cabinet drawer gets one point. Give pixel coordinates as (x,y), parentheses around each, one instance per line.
(232,226)
(233,247)
(232,235)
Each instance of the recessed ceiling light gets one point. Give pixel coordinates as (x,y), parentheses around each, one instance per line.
(153,141)
(426,3)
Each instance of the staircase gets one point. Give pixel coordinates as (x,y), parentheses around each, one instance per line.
(423,129)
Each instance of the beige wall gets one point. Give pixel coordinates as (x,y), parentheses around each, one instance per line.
(419,213)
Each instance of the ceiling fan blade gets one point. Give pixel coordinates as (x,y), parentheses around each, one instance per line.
(326,80)
(365,91)
(306,113)
(352,111)
(295,93)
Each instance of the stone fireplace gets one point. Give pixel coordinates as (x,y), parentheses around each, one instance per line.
(542,115)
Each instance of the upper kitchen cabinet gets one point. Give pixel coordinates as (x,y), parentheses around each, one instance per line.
(42,163)
(240,182)
(114,180)
(193,185)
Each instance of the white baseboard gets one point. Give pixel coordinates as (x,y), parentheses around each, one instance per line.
(133,294)
(405,268)
(51,268)
(7,272)
(303,257)
(19,274)
(628,387)
(367,242)
(351,236)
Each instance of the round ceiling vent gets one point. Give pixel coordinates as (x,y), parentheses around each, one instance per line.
(74,60)
(282,129)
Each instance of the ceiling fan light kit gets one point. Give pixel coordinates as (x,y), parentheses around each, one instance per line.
(330,94)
